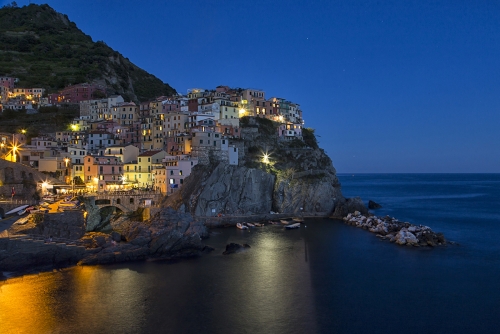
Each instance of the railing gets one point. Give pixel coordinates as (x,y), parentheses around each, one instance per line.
(19,202)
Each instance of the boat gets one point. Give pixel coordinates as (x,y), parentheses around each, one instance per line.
(292,226)
(298,220)
(241,226)
(68,205)
(250,225)
(22,212)
(16,210)
(49,199)
(273,222)
(258,224)
(284,222)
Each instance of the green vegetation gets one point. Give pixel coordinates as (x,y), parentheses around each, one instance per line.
(45,49)
(54,118)
(310,138)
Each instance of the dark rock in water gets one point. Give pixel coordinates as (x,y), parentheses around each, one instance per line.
(233,248)
(207,249)
(373,205)
(350,205)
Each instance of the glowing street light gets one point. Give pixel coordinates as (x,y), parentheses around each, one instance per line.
(265,158)
(13,156)
(44,187)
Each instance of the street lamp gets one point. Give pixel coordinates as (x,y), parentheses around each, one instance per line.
(44,187)
(13,156)
(265,158)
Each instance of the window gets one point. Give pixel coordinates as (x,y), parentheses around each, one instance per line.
(180,172)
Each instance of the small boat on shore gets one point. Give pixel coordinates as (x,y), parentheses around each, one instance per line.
(272,222)
(16,210)
(292,226)
(22,212)
(68,205)
(258,224)
(298,219)
(241,226)
(250,225)
(284,222)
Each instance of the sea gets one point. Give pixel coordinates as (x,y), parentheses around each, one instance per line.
(326,277)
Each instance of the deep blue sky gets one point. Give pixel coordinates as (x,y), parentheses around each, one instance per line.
(389,86)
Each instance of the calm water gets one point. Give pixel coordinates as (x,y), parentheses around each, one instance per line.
(325,277)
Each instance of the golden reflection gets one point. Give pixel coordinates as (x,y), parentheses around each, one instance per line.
(25,304)
(90,297)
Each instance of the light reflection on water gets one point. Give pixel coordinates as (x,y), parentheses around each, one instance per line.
(264,289)
(323,278)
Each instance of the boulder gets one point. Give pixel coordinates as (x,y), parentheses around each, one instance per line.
(405,237)
(234,248)
(373,205)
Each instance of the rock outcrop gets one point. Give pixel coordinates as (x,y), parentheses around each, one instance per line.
(297,178)
(373,205)
(170,234)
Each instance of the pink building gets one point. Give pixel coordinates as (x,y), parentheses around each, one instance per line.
(80,92)
(7,82)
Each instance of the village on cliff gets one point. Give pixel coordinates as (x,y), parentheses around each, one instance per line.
(119,145)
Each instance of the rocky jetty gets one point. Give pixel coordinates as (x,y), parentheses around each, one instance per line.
(402,233)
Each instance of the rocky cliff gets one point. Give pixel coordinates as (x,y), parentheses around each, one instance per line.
(296,177)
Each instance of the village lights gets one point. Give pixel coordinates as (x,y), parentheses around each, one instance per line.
(66,160)
(23,131)
(74,127)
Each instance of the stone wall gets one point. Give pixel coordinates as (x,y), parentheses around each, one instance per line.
(68,225)
(23,178)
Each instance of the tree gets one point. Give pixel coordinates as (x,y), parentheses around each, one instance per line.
(78,181)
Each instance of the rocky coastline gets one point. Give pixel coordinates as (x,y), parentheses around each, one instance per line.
(59,240)
(393,230)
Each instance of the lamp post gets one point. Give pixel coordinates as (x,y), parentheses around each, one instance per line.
(13,156)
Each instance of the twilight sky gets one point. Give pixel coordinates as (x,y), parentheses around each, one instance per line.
(389,86)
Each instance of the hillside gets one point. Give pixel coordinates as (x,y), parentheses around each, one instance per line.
(44,48)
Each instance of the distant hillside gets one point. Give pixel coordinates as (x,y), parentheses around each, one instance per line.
(44,48)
